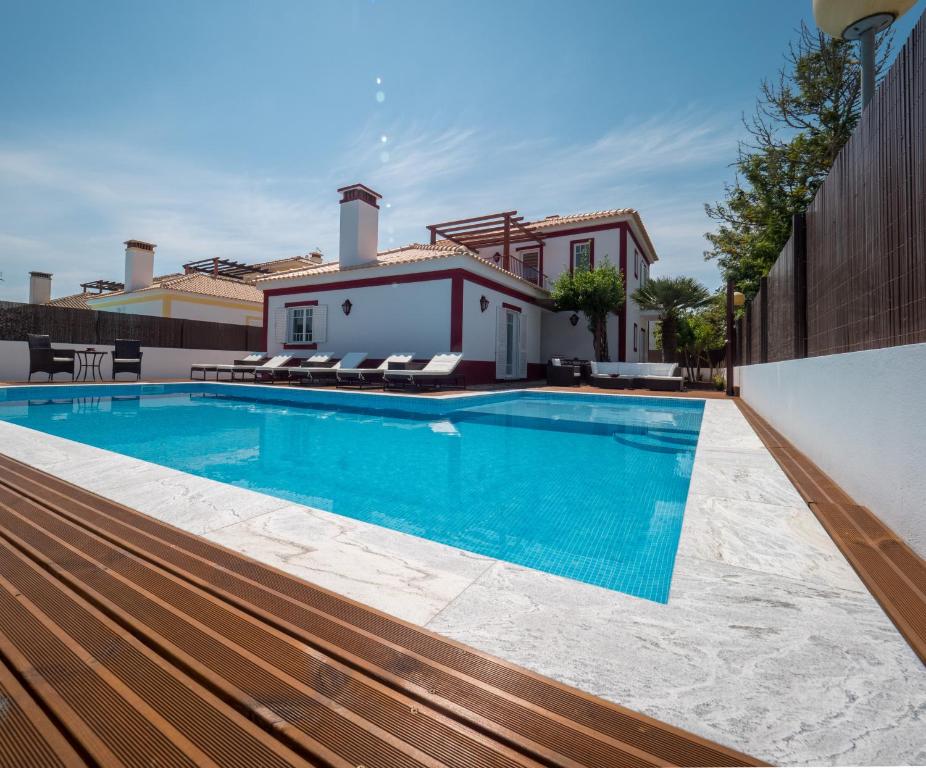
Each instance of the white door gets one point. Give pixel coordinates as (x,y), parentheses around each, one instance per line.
(510,345)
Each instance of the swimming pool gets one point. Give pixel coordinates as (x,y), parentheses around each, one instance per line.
(589,487)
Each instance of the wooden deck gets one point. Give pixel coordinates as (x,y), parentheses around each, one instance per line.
(126,641)
(893,572)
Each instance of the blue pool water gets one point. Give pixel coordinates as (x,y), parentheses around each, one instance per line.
(588,487)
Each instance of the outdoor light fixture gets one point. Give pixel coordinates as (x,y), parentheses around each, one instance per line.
(860,20)
(739,299)
(574,319)
(483,303)
(347,306)
(497,257)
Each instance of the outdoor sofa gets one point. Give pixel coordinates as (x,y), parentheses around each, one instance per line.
(360,377)
(563,374)
(44,358)
(127,357)
(318,375)
(439,370)
(656,376)
(244,366)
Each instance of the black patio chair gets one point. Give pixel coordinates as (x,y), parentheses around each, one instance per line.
(43,358)
(127,357)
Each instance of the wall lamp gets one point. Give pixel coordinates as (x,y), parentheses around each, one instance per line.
(347,306)
(574,319)
(483,303)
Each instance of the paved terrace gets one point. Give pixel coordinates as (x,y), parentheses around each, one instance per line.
(770,642)
(126,641)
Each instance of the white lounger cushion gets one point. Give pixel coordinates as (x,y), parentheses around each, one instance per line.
(402,357)
(439,365)
(273,362)
(352,358)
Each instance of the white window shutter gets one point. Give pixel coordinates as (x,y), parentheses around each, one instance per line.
(320,323)
(499,343)
(279,325)
(522,347)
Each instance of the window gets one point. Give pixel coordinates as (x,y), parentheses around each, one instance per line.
(530,264)
(306,325)
(582,256)
(634,337)
(636,263)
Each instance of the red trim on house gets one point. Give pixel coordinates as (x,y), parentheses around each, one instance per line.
(266,324)
(512,307)
(413,277)
(312,303)
(300,346)
(591,253)
(622,316)
(456,313)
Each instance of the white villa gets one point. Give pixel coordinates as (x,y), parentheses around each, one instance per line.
(480,287)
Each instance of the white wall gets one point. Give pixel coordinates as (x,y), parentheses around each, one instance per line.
(157,362)
(479,328)
(186,310)
(860,417)
(400,317)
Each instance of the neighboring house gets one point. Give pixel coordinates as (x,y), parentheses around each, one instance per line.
(217,290)
(480,287)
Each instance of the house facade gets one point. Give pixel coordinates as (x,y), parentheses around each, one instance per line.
(215,290)
(480,287)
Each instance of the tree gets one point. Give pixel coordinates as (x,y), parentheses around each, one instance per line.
(802,119)
(707,331)
(596,293)
(671,297)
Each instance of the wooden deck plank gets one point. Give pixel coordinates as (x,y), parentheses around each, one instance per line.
(27,734)
(455,692)
(894,574)
(322,708)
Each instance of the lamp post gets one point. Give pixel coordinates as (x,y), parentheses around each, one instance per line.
(734,299)
(860,20)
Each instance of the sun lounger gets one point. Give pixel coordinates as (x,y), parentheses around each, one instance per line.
(440,369)
(244,365)
(275,369)
(360,377)
(317,375)
(282,372)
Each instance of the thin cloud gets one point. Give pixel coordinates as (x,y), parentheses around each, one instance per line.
(66,207)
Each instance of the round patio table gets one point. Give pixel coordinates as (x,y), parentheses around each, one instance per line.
(88,362)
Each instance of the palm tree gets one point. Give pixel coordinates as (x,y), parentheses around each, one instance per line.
(671,297)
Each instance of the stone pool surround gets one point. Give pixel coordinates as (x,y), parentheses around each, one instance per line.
(769,642)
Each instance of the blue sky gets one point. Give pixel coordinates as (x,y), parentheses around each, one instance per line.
(224,128)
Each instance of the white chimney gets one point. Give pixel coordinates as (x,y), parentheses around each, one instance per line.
(359,225)
(39,287)
(139,265)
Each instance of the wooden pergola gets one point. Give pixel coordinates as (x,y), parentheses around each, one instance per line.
(224,268)
(478,232)
(99,286)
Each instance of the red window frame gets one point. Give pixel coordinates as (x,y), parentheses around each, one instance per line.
(591,253)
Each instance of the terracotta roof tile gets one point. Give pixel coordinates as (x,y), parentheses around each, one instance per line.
(202,284)
(75,301)
(415,252)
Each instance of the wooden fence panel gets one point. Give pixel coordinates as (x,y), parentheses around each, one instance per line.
(866,231)
(781,299)
(86,326)
(853,274)
(255,338)
(201,334)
